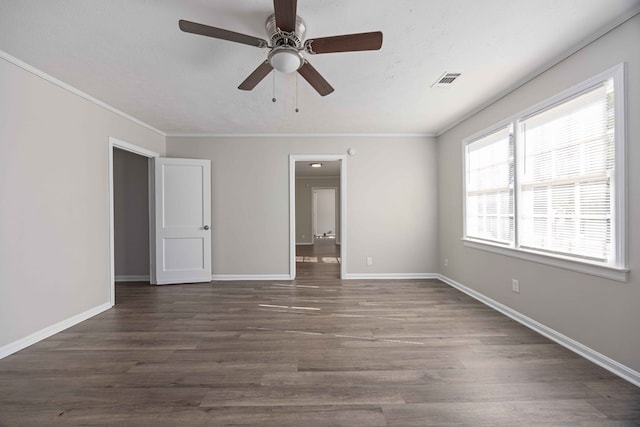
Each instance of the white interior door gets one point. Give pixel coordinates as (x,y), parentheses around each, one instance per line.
(182,189)
(324,211)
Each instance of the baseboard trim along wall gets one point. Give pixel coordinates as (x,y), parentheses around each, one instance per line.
(390,276)
(51,330)
(248,277)
(598,358)
(133,278)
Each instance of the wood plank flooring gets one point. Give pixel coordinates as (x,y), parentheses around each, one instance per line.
(322,248)
(313,352)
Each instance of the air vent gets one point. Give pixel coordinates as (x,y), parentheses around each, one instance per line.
(445,80)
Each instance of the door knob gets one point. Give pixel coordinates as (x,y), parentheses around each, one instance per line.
(206,227)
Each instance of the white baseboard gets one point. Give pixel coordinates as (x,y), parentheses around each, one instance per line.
(133,278)
(598,358)
(236,277)
(18,345)
(390,276)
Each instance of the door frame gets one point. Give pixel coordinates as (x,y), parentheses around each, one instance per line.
(122,145)
(293,158)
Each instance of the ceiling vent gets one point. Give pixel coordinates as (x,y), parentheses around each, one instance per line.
(445,80)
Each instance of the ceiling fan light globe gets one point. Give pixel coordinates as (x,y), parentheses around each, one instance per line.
(285,60)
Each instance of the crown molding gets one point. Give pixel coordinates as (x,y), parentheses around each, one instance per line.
(39,73)
(300,135)
(540,70)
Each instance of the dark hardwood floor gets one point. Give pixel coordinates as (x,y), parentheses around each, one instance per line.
(313,352)
(319,261)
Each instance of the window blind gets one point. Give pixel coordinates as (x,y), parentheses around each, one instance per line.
(489,187)
(565,170)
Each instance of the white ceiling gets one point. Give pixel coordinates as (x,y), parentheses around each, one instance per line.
(131,55)
(304,169)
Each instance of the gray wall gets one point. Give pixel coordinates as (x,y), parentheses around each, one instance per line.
(304,226)
(596,312)
(54,191)
(131,214)
(391,201)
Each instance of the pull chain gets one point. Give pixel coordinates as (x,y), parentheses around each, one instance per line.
(274,86)
(297,110)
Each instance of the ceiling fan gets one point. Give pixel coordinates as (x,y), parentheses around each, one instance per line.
(286,31)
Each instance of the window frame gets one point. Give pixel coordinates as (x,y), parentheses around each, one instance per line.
(485,133)
(616,270)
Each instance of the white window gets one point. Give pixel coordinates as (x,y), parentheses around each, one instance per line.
(548,184)
(489,187)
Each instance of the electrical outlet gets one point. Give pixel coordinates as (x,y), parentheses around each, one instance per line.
(369,260)
(446,262)
(515,286)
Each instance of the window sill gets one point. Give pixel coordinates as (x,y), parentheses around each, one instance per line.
(607,272)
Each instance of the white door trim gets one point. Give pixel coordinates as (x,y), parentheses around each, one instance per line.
(293,158)
(116,143)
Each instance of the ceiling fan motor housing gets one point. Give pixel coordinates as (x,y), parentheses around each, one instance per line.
(285,55)
(282,38)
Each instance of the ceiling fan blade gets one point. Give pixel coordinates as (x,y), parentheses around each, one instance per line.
(256,77)
(219,33)
(345,43)
(286,13)
(314,78)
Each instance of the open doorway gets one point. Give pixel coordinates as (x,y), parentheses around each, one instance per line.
(321,258)
(128,250)
(130,216)
(317,196)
